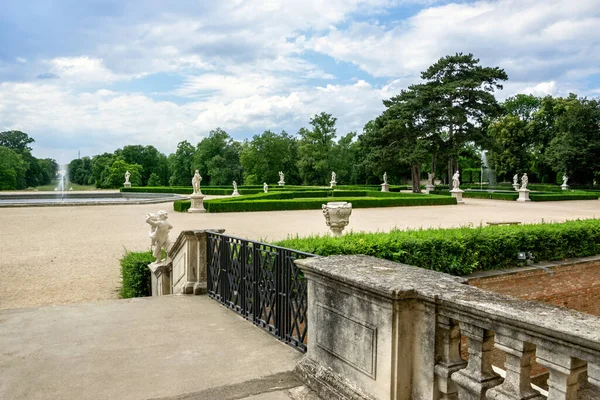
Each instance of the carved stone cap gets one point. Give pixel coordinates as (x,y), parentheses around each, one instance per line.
(399,281)
(185,235)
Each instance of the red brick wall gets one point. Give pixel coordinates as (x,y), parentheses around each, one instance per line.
(572,286)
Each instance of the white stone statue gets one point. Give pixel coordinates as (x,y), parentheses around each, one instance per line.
(127,175)
(265,187)
(430,177)
(196,182)
(524,181)
(565,180)
(281,177)
(159,233)
(516,179)
(385,177)
(235,191)
(456,181)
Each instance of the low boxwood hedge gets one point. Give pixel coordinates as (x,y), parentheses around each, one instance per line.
(136,279)
(563,196)
(491,195)
(462,251)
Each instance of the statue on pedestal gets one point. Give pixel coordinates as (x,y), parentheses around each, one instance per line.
(456,181)
(430,177)
(265,187)
(159,233)
(196,182)
(565,179)
(524,181)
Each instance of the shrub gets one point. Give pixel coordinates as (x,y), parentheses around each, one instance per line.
(182,205)
(491,195)
(136,279)
(461,251)
(563,196)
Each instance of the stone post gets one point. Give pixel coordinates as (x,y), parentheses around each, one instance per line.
(385,187)
(564,373)
(517,383)
(370,337)
(448,358)
(197,204)
(185,271)
(475,380)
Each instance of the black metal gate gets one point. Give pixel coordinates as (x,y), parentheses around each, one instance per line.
(260,282)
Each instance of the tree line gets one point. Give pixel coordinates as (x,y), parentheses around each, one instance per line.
(19,169)
(438,125)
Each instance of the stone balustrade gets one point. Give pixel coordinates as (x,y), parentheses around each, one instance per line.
(184,271)
(382,330)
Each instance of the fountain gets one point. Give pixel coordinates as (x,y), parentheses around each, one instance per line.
(485,166)
(63,179)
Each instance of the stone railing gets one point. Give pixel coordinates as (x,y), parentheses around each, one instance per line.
(184,271)
(382,330)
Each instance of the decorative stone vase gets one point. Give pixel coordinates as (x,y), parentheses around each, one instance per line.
(430,188)
(457,193)
(516,186)
(385,187)
(337,215)
(197,204)
(523,195)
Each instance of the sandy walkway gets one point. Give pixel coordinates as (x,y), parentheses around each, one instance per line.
(56,255)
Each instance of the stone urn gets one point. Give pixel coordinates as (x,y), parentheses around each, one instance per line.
(337,215)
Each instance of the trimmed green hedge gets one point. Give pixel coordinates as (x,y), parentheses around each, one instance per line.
(491,195)
(562,196)
(136,279)
(461,251)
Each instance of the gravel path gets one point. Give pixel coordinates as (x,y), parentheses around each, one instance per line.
(55,255)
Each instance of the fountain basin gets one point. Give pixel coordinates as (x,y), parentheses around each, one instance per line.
(84,199)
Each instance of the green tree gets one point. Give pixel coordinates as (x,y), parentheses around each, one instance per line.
(12,170)
(180,164)
(154,180)
(115,176)
(100,168)
(16,140)
(344,159)
(575,148)
(265,155)
(456,100)
(218,159)
(148,157)
(315,150)
(80,171)
(512,146)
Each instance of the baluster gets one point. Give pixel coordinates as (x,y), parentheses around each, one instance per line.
(594,374)
(448,358)
(474,381)
(564,373)
(517,383)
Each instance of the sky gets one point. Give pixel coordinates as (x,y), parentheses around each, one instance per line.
(90,76)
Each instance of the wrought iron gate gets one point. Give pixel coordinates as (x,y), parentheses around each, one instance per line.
(260,282)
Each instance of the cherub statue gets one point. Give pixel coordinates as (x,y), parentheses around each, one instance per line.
(430,177)
(159,233)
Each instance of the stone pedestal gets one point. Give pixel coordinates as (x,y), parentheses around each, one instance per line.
(127,184)
(235,193)
(564,186)
(523,195)
(161,277)
(429,188)
(516,186)
(281,183)
(457,194)
(385,187)
(337,215)
(332,183)
(197,203)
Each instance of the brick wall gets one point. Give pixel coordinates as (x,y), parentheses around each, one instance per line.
(575,286)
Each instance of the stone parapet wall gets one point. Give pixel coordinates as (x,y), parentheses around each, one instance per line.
(572,284)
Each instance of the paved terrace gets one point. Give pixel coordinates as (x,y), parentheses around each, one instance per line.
(57,255)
